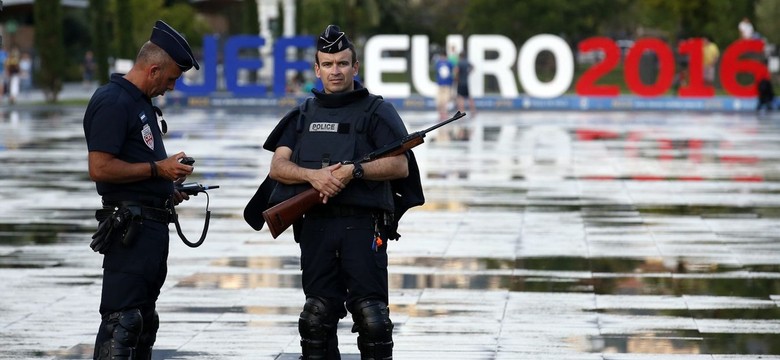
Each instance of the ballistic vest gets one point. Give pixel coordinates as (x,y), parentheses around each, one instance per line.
(327,136)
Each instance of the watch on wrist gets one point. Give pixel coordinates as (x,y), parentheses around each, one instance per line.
(357,172)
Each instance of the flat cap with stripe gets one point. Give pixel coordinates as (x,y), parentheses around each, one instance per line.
(332,40)
(168,39)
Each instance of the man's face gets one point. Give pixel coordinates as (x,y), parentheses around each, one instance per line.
(162,79)
(336,71)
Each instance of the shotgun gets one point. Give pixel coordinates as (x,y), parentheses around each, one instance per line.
(280,216)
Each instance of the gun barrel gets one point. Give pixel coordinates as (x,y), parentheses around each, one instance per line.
(457,116)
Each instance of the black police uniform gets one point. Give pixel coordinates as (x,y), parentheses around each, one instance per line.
(121,120)
(341,259)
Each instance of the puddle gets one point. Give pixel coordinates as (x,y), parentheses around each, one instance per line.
(239,281)
(686,343)
(741,344)
(542,274)
(757,288)
(36,234)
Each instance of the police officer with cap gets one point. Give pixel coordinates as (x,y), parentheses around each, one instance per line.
(132,170)
(343,240)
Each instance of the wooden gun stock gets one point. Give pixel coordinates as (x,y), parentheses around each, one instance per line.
(280,216)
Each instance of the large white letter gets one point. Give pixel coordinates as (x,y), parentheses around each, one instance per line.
(378,64)
(500,67)
(421,67)
(564,66)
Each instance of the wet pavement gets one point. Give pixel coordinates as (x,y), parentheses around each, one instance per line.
(546,235)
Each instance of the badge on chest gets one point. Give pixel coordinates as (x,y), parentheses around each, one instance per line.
(146,131)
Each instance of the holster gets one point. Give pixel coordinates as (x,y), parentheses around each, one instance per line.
(120,223)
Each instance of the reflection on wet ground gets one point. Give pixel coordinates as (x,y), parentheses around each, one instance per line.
(600,276)
(544,236)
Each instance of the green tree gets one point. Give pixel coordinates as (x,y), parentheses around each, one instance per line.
(120,27)
(132,22)
(715,19)
(572,20)
(125,44)
(181,16)
(767,12)
(47,15)
(249,23)
(98,13)
(356,17)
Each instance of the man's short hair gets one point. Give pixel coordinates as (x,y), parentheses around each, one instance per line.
(153,54)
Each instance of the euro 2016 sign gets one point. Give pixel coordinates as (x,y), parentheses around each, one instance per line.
(498,57)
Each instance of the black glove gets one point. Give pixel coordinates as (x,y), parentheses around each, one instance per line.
(101,239)
(122,224)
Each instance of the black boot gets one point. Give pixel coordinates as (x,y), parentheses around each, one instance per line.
(375,350)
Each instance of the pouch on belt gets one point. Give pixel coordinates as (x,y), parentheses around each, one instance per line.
(116,224)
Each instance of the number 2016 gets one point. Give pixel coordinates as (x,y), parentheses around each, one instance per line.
(732,63)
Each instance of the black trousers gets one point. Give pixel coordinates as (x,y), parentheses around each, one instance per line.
(133,275)
(340,260)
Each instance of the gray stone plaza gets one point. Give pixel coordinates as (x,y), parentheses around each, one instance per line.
(545,235)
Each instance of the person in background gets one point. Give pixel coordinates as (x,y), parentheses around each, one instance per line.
(88,67)
(463,95)
(343,240)
(25,72)
(710,57)
(12,71)
(135,178)
(745,29)
(766,94)
(3,80)
(444,79)
(453,56)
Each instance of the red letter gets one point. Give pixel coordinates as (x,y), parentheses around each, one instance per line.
(731,65)
(586,85)
(665,67)
(695,86)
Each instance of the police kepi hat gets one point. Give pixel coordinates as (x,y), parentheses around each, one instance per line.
(168,39)
(332,40)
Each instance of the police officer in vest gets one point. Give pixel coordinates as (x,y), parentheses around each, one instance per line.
(343,240)
(135,177)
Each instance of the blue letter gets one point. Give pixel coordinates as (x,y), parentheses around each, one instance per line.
(281,65)
(233,62)
(208,68)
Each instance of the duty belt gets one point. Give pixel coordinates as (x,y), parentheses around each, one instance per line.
(155,209)
(341,210)
(161,215)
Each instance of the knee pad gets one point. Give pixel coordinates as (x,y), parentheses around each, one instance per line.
(125,328)
(317,320)
(317,326)
(372,320)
